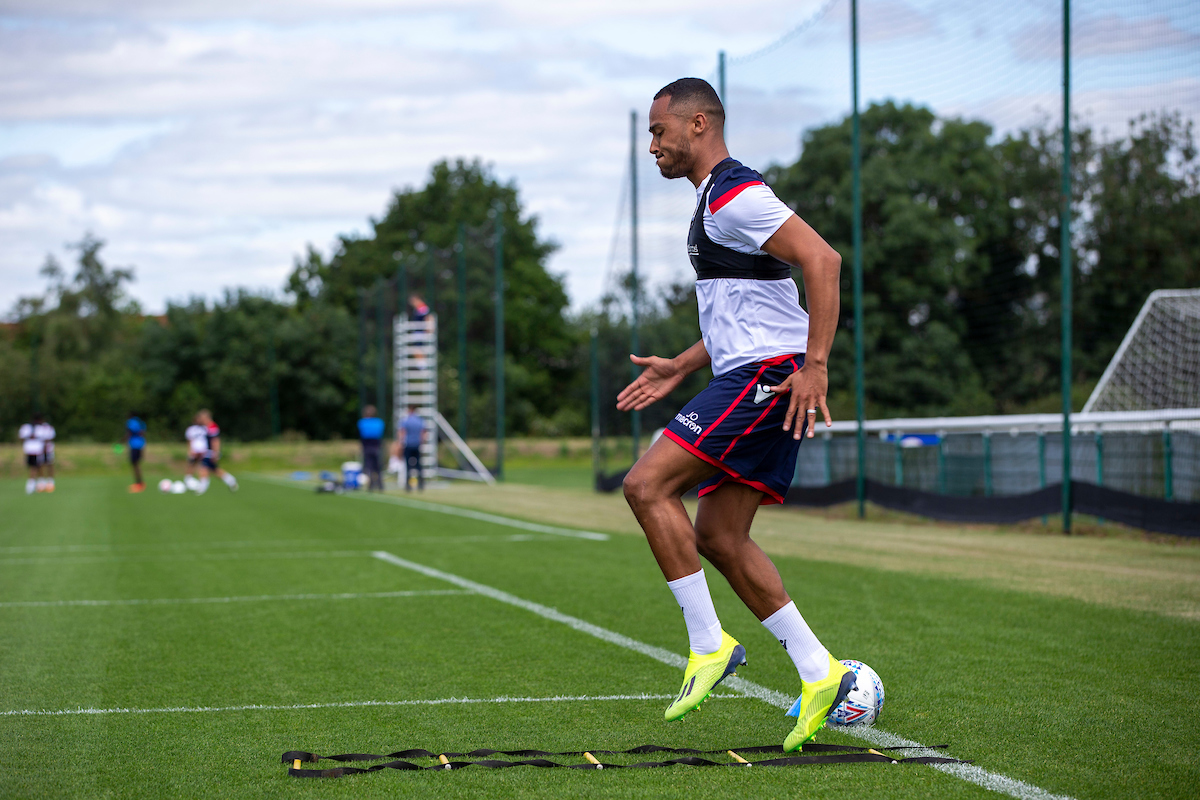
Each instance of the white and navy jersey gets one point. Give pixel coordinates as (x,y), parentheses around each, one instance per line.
(31,444)
(197,438)
(749,305)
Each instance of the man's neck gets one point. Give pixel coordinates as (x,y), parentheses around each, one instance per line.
(704,164)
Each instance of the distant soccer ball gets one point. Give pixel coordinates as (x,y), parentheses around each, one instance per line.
(178,488)
(863,704)
(164,485)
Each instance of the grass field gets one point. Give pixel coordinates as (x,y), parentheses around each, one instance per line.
(164,617)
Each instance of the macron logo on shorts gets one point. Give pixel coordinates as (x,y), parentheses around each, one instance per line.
(690,422)
(762,392)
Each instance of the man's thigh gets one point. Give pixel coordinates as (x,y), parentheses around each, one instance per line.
(726,513)
(667,468)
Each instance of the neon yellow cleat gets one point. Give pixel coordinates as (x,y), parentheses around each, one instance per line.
(816,700)
(702,675)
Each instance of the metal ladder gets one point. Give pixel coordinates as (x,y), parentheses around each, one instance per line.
(416,382)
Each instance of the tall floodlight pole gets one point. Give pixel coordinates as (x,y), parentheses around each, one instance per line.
(462,329)
(635,417)
(380,352)
(362,348)
(856,169)
(721,75)
(1065,254)
(499,345)
(274,385)
(595,382)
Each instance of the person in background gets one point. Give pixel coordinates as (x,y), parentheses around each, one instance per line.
(413,432)
(418,309)
(197,439)
(44,431)
(34,449)
(135,440)
(211,462)
(370,433)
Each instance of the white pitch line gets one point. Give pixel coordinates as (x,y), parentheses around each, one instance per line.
(184,557)
(455,511)
(967,772)
(350,704)
(182,601)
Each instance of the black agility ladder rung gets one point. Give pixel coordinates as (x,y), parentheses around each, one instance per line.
(828,754)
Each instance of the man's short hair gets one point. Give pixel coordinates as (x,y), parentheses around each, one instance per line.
(694,94)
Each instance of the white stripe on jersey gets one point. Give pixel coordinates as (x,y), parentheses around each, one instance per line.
(743,321)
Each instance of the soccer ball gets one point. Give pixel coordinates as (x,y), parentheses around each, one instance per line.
(164,485)
(178,488)
(863,704)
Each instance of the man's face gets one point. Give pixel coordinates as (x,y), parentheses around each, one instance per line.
(670,144)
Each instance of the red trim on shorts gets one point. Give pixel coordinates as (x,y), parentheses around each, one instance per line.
(753,425)
(733,405)
(772,496)
(716,205)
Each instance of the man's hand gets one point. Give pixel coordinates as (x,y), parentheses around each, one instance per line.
(657,381)
(807,386)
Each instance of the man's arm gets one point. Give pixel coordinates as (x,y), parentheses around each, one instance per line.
(661,376)
(796,243)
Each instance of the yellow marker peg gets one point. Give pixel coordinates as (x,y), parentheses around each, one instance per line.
(738,758)
(296,764)
(592,759)
(876,752)
(443,760)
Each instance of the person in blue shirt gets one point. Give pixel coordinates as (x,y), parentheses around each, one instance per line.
(370,433)
(412,433)
(135,440)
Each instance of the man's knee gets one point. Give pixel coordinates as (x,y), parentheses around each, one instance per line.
(640,487)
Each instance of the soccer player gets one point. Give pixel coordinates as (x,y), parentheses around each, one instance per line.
(135,440)
(196,435)
(33,448)
(413,432)
(370,433)
(211,461)
(44,431)
(738,439)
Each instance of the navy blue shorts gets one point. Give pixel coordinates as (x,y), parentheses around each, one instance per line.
(210,462)
(736,425)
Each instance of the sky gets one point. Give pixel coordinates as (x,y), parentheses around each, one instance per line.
(208,143)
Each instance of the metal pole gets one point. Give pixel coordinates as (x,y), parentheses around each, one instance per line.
(856,169)
(362,348)
(499,258)
(1100,461)
(941,457)
(430,281)
(462,330)
(1065,254)
(1168,464)
(595,393)
(380,353)
(274,385)
(899,462)
(987,463)
(635,417)
(721,75)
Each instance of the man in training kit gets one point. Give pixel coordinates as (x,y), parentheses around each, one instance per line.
(45,431)
(739,438)
(370,433)
(34,449)
(197,439)
(211,460)
(135,440)
(413,432)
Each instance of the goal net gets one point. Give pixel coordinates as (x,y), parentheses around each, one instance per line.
(1157,365)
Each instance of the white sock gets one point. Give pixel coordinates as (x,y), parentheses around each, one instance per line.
(202,486)
(808,654)
(190,482)
(30,486)
(704,629)
(230,481)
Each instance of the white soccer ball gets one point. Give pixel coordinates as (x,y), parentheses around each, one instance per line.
(863,704)
(178,488)
(164,485)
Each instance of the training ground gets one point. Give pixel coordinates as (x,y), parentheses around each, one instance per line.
(176,646)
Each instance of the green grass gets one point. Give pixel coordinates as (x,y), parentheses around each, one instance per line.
(1079,699)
